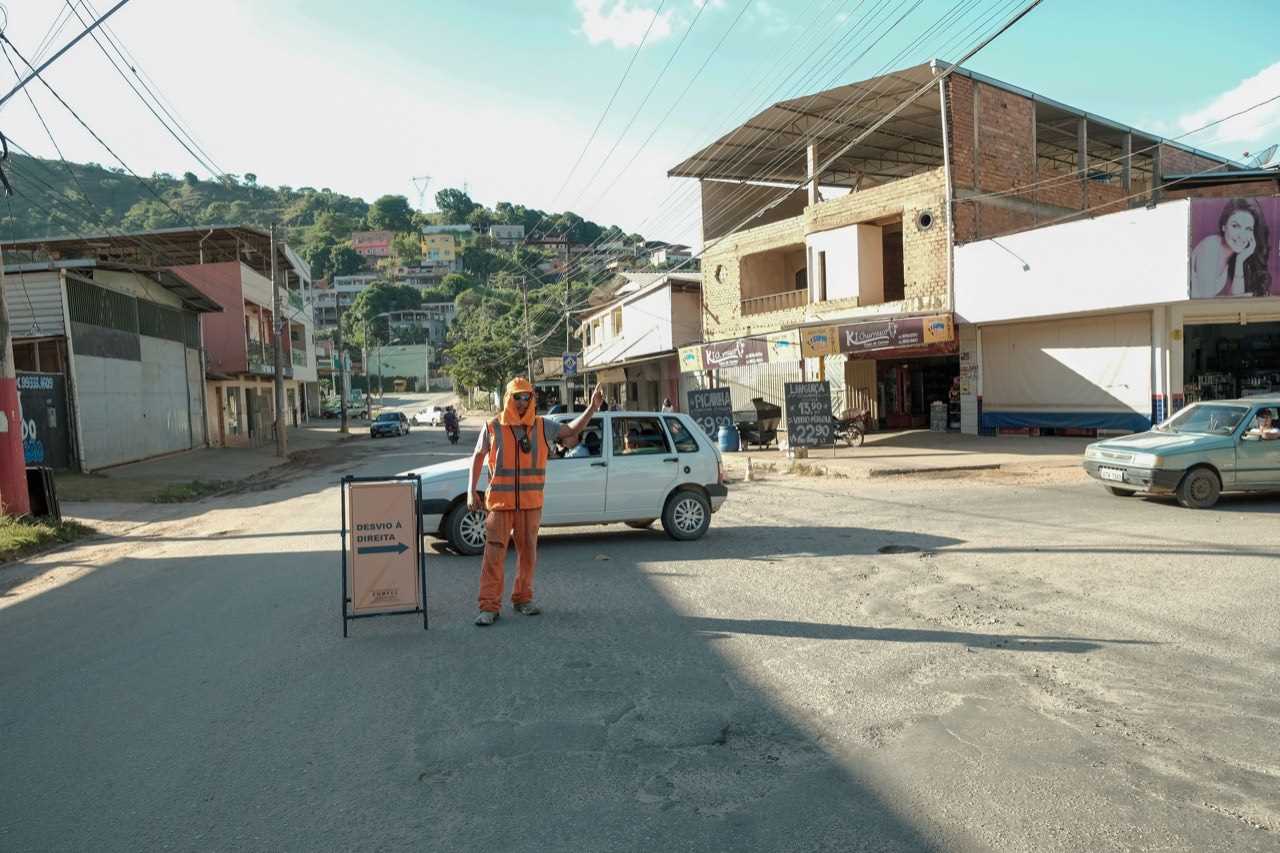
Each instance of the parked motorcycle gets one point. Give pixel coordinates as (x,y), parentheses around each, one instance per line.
(851,429)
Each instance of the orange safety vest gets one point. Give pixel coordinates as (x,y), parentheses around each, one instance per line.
(516,478)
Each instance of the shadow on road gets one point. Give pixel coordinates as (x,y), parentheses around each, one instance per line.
(718,629)
(187,686)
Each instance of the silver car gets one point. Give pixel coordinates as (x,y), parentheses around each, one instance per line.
(1205,449)
(632,468)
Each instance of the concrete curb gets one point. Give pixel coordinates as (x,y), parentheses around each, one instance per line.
(909,472)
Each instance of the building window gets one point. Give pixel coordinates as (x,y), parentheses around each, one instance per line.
(616,318)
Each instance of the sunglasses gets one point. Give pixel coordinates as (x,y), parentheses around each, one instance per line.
(522,398)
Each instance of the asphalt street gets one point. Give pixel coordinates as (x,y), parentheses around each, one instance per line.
(963,663)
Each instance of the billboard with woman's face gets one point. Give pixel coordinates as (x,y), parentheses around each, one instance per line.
(1234,247)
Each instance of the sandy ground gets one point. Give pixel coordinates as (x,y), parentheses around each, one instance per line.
(987,661)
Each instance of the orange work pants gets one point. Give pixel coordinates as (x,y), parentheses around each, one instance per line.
(501,527)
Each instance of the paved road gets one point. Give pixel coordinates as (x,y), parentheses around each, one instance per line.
(1052,669)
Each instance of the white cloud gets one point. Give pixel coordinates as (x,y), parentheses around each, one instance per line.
(1248,131)
(620,24)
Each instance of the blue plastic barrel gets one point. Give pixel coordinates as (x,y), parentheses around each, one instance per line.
(728,436)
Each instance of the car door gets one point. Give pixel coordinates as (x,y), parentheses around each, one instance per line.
(575,485)
(1257,459)
(642,467)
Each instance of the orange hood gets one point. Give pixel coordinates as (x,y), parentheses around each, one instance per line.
(508,416)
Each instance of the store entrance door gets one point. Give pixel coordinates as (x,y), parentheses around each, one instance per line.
(907,388)
(1222,361)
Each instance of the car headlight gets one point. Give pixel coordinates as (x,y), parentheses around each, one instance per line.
(1092,452)
(1147,460)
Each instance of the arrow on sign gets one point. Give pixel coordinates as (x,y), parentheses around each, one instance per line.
(398,548)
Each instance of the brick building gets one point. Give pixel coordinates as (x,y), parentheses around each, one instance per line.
(851,279)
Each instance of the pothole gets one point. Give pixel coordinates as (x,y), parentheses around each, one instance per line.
(899,549)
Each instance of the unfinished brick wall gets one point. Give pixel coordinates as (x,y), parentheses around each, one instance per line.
(924,257)
(992,135)
(1175,161)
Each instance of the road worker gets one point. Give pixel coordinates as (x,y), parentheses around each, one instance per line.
(516,446)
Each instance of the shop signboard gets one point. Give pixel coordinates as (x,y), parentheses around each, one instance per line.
(383,571)
(809,421)
(819,341)
(711,408)
(691,359)
(784,346)
(742,352)
(896,333)
(1233,247)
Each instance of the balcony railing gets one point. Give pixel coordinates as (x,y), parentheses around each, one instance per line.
(262,361)
(299,357)
(775,302)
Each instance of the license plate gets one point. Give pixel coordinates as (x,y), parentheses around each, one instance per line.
(1116,474)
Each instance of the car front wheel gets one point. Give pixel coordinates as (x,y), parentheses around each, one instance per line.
(1199,489)
(686,516)
(465,530)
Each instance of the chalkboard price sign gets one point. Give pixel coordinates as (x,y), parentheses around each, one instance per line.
(809,414)
(711,408)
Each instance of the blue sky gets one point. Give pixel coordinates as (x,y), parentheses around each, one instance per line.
(503,94)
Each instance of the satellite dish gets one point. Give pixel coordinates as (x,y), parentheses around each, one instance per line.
(1263,157)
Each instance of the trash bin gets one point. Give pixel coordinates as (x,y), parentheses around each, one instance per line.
(728,437)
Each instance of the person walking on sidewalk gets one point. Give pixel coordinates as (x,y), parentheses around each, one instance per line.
(516,446)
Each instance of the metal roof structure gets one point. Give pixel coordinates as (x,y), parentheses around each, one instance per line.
(191,297)
(146,251)
(770,146)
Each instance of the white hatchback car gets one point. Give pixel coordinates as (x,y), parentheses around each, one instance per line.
(633,468)
(433,416)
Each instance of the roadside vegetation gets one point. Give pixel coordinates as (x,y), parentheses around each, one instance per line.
(23,537)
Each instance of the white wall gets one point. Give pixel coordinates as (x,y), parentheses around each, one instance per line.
(841,246)
(131,410)
(1127,259)
(855,263)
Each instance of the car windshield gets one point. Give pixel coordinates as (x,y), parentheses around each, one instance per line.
(1206,419)
(388,416)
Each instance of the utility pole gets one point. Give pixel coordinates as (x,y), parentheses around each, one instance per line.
(282,440)
(528,339)
(14,499)
(566,394)
(342,370)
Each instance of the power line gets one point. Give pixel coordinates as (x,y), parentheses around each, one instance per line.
(645,100)
(94,134)
(605,113)
(35,72)
(205,160)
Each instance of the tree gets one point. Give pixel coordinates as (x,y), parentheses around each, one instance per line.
(406,250)
(480,219)
(455,206)
(454,283)
(391,213)
(251,179)
(344,260)
(361,323)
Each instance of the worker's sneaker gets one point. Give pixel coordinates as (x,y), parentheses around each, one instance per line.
(486,618)
(526,608)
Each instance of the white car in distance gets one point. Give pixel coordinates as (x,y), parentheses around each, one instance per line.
(635,468)
(431,416)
